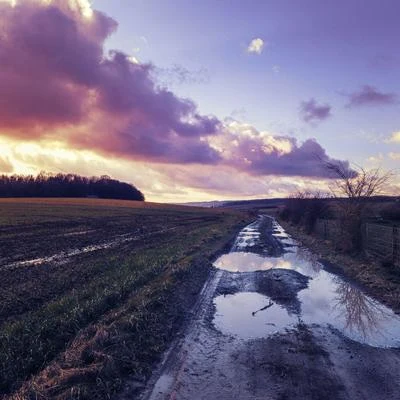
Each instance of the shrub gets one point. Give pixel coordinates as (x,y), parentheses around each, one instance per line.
(392,212)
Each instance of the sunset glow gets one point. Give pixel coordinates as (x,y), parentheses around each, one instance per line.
(188,104)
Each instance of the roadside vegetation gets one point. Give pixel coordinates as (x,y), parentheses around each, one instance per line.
(82,326)
(354,200)
(351,201)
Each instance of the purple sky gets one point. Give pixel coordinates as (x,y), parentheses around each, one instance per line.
(200,100)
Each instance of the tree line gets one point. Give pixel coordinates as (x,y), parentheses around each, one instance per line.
(67,185)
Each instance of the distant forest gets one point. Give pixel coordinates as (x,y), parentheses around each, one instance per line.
(67,185)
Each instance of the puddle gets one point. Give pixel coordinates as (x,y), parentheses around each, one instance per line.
(163,384)
(249,262)
(328,300)
(63,257)
(78,233)
(248,237)
(296,259)
(258,316)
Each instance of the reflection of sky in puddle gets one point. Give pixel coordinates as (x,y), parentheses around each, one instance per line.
(329,300)
(248,262)
(247,237)
(297,260)
(332,301)
(250,322)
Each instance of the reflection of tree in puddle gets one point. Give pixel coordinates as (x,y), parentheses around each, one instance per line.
(361,313)
(307,260)
(270,304)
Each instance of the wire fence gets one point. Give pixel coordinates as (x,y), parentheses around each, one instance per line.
(378,240)
(383,242)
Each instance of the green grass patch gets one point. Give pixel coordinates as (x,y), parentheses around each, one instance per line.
(128,291)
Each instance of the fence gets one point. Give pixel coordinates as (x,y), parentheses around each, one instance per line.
(327,229)
(381,241)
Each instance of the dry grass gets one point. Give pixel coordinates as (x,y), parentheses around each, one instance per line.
(381,282)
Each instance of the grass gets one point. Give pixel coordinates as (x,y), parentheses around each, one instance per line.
(86,324)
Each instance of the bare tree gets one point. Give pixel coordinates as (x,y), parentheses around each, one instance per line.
(353,187)
(357,183)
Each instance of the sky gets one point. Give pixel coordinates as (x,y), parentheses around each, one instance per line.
(195,101)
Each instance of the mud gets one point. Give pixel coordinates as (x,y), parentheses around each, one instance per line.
(42,261)
(64,256)
(271,323)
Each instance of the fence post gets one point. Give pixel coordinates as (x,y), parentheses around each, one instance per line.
(395,239)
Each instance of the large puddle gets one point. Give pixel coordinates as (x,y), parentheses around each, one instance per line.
(258,316)
(248,262)
(327,301)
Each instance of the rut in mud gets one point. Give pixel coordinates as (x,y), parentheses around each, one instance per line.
(271,323)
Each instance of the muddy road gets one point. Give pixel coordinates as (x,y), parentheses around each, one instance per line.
(272,323)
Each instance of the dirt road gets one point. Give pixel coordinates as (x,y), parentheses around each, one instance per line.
(271,323)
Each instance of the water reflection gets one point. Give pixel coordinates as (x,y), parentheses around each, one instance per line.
(306,262)
(328,300)
(270,304)
(248,237)
(361,313)
(248,262)
(299,260)
(239,315)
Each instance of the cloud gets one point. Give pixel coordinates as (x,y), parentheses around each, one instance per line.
(370,96)
(311,111)
(394,138)
(276,69)
(178,74)
(12,3)
(5,165)
(376,159)
(256,46)
(394,156)
(371,137)
(59,86)
(188,181)
(261,153)
(237,114)
(57,81)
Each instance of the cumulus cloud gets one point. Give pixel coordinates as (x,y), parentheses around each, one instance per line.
(256,46)
(394,138)
(55,75)
(311,111)
(261,153)
(59,85)
(370,96)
